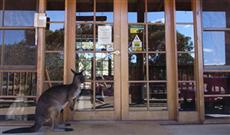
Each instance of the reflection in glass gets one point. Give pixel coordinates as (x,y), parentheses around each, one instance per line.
(1,45)
(137,96)
(104,96)
(215,48)
(157,66)
(101,44)
(17,109)
(85,102)
(20,47)
(187,91)
(184,11)
(84,10)
(55,15)
(158,96)
(216,13)
(137,66)
(18,84)
(104,66)
(185,37)
(156,37)
(217,106)
(84,61)
(84,37)
(155,11)
(137,38)
(216,83)
(136,13)
(55,37)
(104,10)
(54,64)
(16,14)
(186,66)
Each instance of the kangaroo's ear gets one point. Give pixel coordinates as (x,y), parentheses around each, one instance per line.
(73,71)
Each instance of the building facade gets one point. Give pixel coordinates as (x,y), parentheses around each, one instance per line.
(143,59)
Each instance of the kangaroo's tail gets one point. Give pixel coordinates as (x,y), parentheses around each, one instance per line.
(31,129)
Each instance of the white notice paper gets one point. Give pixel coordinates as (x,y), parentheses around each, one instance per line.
(104,35)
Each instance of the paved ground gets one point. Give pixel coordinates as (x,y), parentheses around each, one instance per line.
(135,128)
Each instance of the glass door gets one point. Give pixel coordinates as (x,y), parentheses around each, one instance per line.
(97,54)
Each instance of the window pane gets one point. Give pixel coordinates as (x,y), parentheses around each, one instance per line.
(156,37)
(185,37)
(84,10)
(157,66)
(56,10)
(54,64)
(184,11)
(187,96)
(136,13)
(84,37)
(104,43)
(1,44)
(216,48)
(186,66)
(85,61)
(19,14)
(20,48)
(104,96)
(55,37)
(104,10)
(155,11)
(138,96)
(137,38)
(104,66)
(216,13)
(158,96)
(137,66)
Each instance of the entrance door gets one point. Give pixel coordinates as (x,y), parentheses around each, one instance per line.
(144,89)
(97,52)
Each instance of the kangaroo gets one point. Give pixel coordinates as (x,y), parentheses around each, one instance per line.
(51,103)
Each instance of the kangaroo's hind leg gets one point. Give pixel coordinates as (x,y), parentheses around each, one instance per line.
(54,116)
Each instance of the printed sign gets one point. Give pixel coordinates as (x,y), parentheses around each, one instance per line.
(104,35)
(136,44)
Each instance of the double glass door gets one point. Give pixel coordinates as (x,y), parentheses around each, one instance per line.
(124,63)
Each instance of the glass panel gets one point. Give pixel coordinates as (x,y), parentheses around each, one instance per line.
(137,38)
(1,44)
(186,66)
(104,34)
(155,11)
(85,102)
(54,64)
(216,13)
(158,96)
(137,96)
(216,83)
(187,92)
(104,10)
(185,37)
(184,11)
(84,37)
(20,47)
(217,106)
(216,48)
(104,66)
(137,66)
(1,11)
(136,13)
(104,96)
(22,109)
(19,14)
(156,37)
(56,10)
(55,37)
(157,66)
(84,10)
(85,61)
(18,84)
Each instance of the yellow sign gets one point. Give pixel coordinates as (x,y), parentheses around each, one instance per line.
(136,44)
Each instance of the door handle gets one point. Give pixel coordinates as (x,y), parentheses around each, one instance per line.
(116,52)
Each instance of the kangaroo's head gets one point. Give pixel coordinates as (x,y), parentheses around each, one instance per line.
(78,77)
